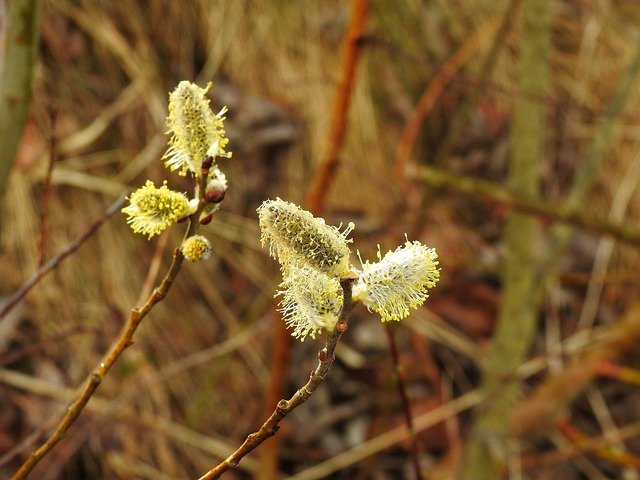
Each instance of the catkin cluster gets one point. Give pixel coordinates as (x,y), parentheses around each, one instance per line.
(314,258)
(197,140)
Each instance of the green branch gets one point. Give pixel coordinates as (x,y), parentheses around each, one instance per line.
(487,447)
(19,55)
(441,178)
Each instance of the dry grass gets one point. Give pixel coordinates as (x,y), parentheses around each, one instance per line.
(105,71)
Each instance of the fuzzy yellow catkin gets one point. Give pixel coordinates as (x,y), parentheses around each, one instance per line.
(399,281)
(152,210)
(311,301)
(196,248)
(296,236)
(196,131)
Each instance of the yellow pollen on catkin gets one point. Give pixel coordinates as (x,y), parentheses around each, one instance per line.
(196,131)
(196,248)
(311,301)
(295,235)
(152,210)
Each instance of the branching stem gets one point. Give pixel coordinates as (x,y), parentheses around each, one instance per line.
(55,261)
(124,341)
(326,356)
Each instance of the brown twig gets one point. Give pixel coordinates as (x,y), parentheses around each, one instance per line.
(124,341)
(351,50)
(326,356)
(576,449)
(55,261)
(605,452)
(46,194)
(404,398)
(96,377)
(280,355)
(618,372)
(315,202)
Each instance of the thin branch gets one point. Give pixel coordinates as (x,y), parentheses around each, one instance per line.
(96,377)
(401,388)
(124,341)
(315,200)
(573,450)
(46,194)
(282,344)
(540,409)
(441,178)
(351,48)
(55,261)
(326,356)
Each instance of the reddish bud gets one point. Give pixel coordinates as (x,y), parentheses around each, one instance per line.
(206,220)
(214,196)
(322,355)
(206,164)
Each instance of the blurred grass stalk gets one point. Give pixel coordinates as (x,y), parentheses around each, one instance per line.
(487,447)
(18,55)
(525,273)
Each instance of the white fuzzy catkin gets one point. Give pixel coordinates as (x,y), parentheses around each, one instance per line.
(311,301)
(399,281)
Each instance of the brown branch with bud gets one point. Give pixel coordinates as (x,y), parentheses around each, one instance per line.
(119,345)
(326,356)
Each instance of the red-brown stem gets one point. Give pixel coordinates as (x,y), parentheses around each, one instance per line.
(351,50)
(282,343)
(404,399)
(316,197)
(271,426)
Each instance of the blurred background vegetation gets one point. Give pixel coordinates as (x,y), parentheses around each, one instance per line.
(195,382)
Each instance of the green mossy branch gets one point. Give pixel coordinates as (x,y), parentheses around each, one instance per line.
(442,178)
(19,56)
(487,446)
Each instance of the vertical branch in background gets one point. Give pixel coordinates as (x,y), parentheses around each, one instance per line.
(560,235)
(315,203)
(401,386)
(19,51)
(487,445)
(46,193)
(350,54)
